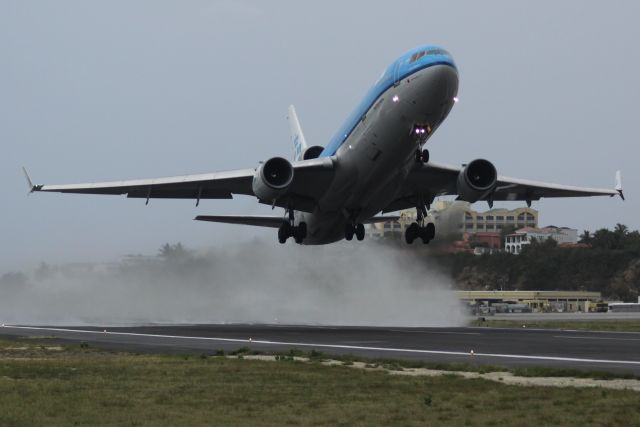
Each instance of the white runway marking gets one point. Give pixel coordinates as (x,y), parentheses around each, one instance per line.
(572,337)
(340,346)
(434,332)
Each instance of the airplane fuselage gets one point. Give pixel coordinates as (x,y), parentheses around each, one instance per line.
(375,150)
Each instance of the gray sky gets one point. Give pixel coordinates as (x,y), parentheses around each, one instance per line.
(95,91)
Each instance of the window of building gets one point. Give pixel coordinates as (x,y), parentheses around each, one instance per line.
(480,217)
(500,218)
(387,225)
(510,218)
(530,217)
(499,226)
(489,217)
(469,226)
(490,227)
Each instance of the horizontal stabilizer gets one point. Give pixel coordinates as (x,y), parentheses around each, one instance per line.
(260,221)
(377,219)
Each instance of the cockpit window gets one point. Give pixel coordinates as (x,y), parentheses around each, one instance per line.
(417,56)
(432,51)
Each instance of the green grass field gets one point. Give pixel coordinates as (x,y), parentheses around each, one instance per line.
(43,384)
(591,325)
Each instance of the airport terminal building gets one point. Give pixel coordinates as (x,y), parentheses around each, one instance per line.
(532,301)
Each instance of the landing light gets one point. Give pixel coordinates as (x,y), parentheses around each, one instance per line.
(395,98)
(455,99)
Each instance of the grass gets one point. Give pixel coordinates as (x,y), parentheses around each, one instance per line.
(45,384)
(585,325)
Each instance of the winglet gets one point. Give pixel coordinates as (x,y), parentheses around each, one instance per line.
(32,187)
(619,184)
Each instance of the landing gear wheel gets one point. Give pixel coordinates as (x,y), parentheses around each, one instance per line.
(349,231)
(425,156)
(360,232)
(300,232)
(430,230)
(427,233)
(284,232)
(411,233)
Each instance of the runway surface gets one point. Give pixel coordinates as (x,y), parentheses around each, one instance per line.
(607,351)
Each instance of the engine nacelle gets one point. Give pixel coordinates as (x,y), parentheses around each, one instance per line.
(312,152)
(272,179)
(477,180)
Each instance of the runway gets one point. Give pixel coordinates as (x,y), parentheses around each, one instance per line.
(607,351)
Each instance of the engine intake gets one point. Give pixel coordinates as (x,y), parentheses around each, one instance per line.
(272,179)
(312,152)
(477,180)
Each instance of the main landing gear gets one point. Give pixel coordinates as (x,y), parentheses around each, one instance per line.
(354,229)
(419,230)
(414,231)
(287,229)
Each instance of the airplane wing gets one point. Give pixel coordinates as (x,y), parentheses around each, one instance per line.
(311,179)
(271,221)
(433,179)
(259,221)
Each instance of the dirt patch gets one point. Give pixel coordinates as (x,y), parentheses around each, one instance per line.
(501,377)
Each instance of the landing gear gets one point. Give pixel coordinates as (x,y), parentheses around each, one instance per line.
(414,231)
(419,229)
(422,156)
(425,156)
(287,229)
(354,229)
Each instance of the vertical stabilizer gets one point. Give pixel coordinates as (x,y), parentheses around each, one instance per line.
(297,137)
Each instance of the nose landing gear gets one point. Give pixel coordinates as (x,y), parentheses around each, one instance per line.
(421,133)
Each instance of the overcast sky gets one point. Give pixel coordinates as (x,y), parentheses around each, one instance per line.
(95,91)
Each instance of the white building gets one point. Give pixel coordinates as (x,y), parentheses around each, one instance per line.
(514,243)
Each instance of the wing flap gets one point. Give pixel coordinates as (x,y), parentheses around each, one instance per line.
(259,221)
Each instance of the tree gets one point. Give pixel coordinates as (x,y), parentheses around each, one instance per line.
(586,237)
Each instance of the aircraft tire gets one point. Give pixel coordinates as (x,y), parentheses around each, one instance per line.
(284,232)
(411,233)
(349,231)
(425,156)
(302,229)
(360,232)
(430,230)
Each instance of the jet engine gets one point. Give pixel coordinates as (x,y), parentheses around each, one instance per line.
(312,152)
(477,180)
(272,179)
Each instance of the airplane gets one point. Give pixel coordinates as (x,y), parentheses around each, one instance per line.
(377,162)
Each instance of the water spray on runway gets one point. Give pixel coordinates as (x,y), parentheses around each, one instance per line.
(257,281)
